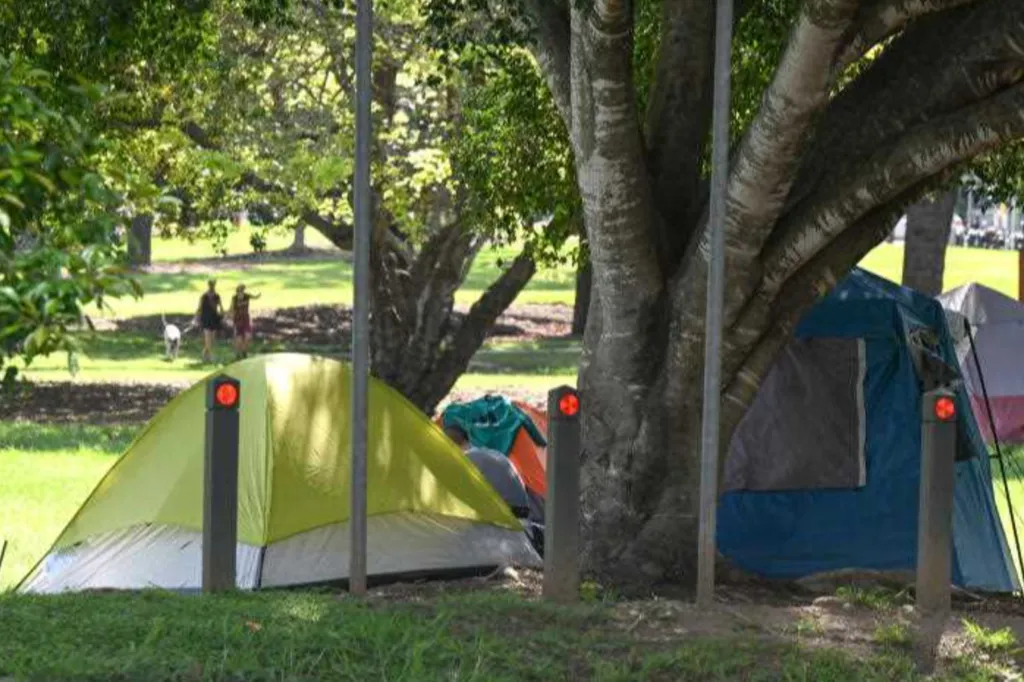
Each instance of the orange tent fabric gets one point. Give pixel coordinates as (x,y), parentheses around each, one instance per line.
(530,459)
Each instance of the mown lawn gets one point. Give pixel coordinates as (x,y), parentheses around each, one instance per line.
(995,269)
(46,472)
(490,637)
(133,357)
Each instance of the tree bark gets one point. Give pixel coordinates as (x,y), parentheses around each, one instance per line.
(581,305)
(816,181)
(140,240)
(929,223)
(299,238)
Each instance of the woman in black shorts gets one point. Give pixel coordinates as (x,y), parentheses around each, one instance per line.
(209,316)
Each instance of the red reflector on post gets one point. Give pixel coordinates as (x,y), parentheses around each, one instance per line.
(569,405)
(226,395)
(945,409)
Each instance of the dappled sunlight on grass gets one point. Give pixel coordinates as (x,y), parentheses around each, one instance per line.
(132,357)
(28,437)
(297,283)
(237,244)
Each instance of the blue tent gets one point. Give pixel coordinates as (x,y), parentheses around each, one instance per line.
(823,472)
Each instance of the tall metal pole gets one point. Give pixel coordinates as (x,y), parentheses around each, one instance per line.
(716,288)
(361,297)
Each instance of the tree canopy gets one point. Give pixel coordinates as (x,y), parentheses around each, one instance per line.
(58,246)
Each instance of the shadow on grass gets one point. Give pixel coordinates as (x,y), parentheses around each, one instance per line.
(318,275)
(111,440)
(541,357)
(311,635)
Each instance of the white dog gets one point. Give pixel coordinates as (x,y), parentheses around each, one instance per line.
(172,339)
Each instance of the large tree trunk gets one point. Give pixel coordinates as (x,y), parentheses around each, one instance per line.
(140,240)
(816,181)
(929,223)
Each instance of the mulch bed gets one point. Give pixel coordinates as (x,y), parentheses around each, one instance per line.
(111,403)
(79,403)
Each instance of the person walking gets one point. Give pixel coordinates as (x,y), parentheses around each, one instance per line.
(242,321)
(209,317)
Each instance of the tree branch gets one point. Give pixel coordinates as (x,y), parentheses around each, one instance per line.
(747,361)
(770,153)
(611,166)
(761,178)
(678,115)
(940,63)
(472,329)
(922,152)
(879,20)
(339,234)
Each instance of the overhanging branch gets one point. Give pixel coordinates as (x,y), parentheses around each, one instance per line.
(940,63)
(924,151)
(881,19)
(770,153)
(750,357)
(473,327)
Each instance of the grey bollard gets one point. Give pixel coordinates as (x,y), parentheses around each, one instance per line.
(562,506)
(220,484)
(935,510)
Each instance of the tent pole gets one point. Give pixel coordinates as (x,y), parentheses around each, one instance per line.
(360,297)
(713,320)
(995,439)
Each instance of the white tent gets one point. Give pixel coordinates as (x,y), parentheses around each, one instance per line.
(997,330)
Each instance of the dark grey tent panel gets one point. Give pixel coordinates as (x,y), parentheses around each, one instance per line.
(805,429)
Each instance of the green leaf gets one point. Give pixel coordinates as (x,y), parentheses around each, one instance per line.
(42,180)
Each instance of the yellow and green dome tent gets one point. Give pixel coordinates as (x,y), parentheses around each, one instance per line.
(429,508)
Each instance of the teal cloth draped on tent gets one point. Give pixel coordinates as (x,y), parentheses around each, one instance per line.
(491,422)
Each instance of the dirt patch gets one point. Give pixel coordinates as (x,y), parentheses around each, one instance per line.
(73,403)
(755,610)
(112,403)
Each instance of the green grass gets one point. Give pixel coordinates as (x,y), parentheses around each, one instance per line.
(298,283)
(995,269)
(307,635)
(46,472)
(237,244)
(990,641)
(893,636)
(304,283)
(875,598)
(120,357)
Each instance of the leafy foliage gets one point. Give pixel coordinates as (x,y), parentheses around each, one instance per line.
(58,244)
(513,158)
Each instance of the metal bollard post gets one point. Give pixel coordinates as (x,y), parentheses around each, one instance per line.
(935,514)
(220,484)
(562,506)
